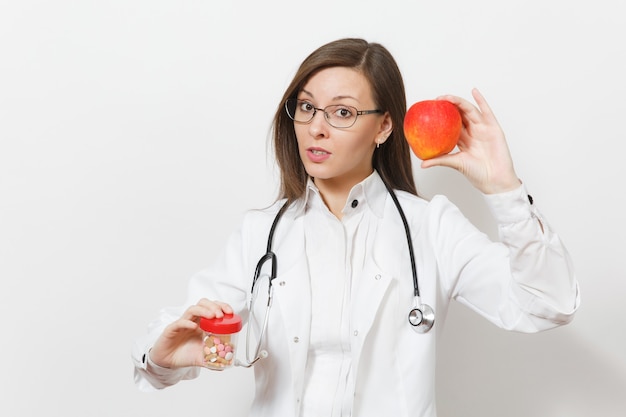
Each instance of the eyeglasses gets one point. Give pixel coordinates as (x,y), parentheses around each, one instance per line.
(337,115)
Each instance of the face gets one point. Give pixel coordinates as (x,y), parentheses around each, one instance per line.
(341,157)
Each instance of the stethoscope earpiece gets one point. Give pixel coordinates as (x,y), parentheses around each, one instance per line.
(422,318)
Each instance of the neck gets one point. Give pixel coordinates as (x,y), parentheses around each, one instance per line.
(335,192)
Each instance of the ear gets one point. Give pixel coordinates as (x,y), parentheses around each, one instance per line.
(386,127)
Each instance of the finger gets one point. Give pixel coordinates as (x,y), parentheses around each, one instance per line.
(484,107)
(226,308)
(194,312)
(217,308)
(448,160)
(182,324)
(469,112)
(204,308)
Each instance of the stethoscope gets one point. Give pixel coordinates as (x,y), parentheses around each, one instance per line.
(421,317)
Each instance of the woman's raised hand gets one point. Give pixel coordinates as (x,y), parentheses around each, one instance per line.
(483,157)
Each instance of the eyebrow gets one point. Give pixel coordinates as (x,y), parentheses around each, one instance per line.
(334,98)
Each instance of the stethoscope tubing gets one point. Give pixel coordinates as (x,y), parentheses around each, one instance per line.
(421,317)
(416,289)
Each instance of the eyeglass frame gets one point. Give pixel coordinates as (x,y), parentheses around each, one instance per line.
(326,115)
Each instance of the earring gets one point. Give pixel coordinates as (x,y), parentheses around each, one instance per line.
(377,144)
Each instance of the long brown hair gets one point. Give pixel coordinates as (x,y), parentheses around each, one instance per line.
(392,160)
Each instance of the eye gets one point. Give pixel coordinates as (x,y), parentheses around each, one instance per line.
(305,107)
(343,112)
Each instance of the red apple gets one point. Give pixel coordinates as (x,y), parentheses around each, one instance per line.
(432,128)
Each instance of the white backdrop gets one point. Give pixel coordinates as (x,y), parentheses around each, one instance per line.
(125,161)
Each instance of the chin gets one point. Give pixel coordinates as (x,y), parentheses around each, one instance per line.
(322,174)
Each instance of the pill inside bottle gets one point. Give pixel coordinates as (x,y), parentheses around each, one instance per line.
(220,341)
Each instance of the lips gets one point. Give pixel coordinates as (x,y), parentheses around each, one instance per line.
(317,154)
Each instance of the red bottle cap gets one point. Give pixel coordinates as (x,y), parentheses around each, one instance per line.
(230,323)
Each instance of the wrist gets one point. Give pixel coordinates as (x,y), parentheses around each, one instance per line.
(502,186)
(152,364)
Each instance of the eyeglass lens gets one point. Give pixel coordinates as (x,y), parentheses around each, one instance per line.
(337,115)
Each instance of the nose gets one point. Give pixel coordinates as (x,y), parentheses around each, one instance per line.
(318,127)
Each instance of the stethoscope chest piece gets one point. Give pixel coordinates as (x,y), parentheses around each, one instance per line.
(422,318)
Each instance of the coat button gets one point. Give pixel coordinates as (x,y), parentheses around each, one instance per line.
(356,333)
(355,203)
(296,339)
(377,277)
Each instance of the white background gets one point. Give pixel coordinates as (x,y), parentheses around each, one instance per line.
(133,135)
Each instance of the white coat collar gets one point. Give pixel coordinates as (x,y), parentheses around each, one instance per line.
(371,192)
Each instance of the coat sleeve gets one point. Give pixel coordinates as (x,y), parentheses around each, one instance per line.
(525,282)
(226,280)
(147,375)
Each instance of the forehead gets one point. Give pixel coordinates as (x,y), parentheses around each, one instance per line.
(337,83)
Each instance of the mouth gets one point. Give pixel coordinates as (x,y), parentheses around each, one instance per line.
(318,151)
(317,155)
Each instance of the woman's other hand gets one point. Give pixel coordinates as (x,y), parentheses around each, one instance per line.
(180,344)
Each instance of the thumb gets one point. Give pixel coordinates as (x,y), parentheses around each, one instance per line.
(448,160)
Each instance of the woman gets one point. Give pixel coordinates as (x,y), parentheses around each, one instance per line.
(338,341)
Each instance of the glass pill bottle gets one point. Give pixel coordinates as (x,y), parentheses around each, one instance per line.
(220,341)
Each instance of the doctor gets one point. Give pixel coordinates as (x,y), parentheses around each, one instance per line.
(338,339)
